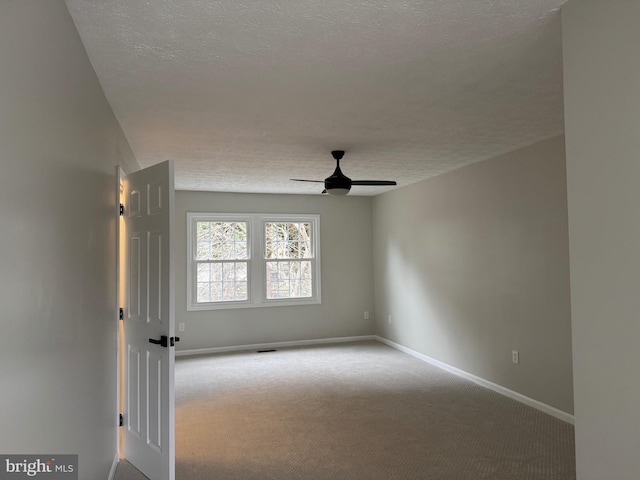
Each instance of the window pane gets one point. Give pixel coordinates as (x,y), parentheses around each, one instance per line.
(203,250)
(241,291)
(216,272)
(217,231)
(272,279)
(222,282)
(289,279)
(242,252)
(216,292)
(240,240)
(305,269)
(241,271)
(288,240)
(229,291)
(305,287)
(204,272)
(305,241)
(203,294)
(221,241)
(228,272)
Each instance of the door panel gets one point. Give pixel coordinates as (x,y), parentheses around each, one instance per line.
(148,437)
(155,277)
(133,312)
(133,391)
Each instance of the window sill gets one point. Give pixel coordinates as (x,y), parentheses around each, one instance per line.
(285,302)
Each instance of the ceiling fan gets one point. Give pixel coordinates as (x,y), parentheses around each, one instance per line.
(338,183)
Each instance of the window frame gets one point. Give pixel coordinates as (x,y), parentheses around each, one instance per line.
(257,261)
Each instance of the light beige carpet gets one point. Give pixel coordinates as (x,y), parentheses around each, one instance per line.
(355,411)
(126,471)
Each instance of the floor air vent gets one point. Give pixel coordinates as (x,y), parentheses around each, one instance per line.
(266,351)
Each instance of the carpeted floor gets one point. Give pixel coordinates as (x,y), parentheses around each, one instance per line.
(355,411)
(126,471)
(360,411)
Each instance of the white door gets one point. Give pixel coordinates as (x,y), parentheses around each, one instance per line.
(148,436)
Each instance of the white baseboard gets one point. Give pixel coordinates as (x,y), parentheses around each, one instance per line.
(548,409)
(114,465)
(262,346)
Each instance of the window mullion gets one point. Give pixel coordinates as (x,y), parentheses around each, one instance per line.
(256,260)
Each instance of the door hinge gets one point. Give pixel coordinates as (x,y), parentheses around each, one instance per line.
(121,314)
(121,420)
(121,209)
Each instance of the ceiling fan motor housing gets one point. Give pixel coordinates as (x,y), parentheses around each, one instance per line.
(337,180)
(338,183)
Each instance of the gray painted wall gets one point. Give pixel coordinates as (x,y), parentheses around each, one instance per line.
(602,114)
(347,274)
(474,264)
(59,146)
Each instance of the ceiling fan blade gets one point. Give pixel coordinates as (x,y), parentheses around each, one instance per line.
(301,180)
(373,182)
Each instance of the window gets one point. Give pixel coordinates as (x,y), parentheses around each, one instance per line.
(222,261)
(288,259)
(252,260)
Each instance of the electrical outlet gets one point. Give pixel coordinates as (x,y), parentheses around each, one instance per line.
(366,315)
(181,327)
(389,319)
(515,357)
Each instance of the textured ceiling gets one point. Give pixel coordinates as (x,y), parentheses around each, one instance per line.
(245,94)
